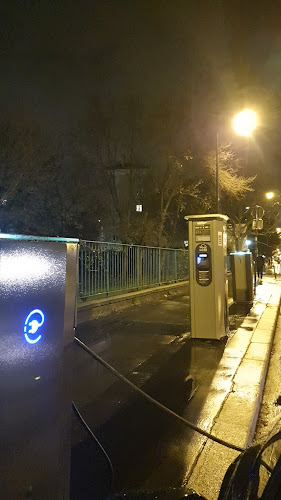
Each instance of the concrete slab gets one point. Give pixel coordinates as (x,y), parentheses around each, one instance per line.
(249,374)
(215,461)
(262,336)
(269,311)
(257,351)
(266,323)
(233,420)
(238,344)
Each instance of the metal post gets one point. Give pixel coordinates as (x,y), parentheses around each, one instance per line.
(256,256)
(159,266)
(107,270)
(217,171)
(137,264)
(256,248)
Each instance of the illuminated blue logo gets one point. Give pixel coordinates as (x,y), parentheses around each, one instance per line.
(33,322)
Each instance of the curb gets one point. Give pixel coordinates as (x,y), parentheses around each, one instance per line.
(263,378)
(101,307)
(243,369)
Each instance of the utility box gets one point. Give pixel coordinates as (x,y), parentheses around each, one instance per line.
(242,277)
(208,275)
(38,279)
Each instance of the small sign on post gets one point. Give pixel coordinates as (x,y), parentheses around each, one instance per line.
(138,208)
(257,224)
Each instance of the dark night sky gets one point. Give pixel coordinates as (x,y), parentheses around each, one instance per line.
(57,57)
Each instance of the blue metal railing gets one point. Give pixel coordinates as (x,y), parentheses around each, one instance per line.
(111,268)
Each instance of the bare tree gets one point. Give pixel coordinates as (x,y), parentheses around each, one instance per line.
(232,183)
(173,189)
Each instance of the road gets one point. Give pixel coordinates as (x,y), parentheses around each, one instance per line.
(149,344)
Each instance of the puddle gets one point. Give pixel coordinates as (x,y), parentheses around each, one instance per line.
(237,314)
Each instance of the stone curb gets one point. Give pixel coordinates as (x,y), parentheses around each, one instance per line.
(262,381)
(245,364)
(100,307)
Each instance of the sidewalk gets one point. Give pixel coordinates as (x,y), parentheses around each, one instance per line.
(243,370)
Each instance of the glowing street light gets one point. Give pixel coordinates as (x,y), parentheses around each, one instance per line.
(269,195)
(245,122)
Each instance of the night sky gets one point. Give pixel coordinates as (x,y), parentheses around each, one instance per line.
(58,57)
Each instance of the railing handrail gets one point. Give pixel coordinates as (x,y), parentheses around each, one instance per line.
(132,245)
(110,267)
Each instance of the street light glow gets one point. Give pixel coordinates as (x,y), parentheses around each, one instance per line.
(269,195)
(245,122)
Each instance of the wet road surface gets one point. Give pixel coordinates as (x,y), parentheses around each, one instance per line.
(148,448)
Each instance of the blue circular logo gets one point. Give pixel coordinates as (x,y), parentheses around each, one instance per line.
(34,320)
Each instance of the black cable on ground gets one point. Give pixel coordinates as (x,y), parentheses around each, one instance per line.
(157,403)
(93,436)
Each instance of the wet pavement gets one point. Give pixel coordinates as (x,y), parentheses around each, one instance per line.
(150,344)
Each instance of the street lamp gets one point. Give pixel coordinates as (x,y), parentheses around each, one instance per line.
(269,195)
(244,123)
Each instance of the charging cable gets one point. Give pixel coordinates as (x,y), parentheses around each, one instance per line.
(155,402)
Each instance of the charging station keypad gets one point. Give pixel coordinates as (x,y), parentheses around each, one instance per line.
(203,263)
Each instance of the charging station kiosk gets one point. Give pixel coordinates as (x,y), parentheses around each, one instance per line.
(38,280)
(208,275)
(242,277)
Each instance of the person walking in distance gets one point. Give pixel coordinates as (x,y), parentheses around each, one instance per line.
(260,266)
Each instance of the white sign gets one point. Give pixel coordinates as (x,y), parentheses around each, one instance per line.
(203,248)
(224,239)
(220,238)
(138,208)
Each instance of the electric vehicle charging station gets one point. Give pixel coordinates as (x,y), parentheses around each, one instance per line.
(208,275)
(38,281)
(242,277)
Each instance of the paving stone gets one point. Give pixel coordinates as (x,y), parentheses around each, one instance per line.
(249,373)
(257,351)
(262,336)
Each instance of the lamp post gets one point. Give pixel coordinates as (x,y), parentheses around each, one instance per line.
(217,171)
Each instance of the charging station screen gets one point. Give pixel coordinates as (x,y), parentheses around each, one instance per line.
(201,257)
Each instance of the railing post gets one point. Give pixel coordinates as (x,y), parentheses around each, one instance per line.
(159,265)
(82,271)
(176,268)
(107,271)
(138,267)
